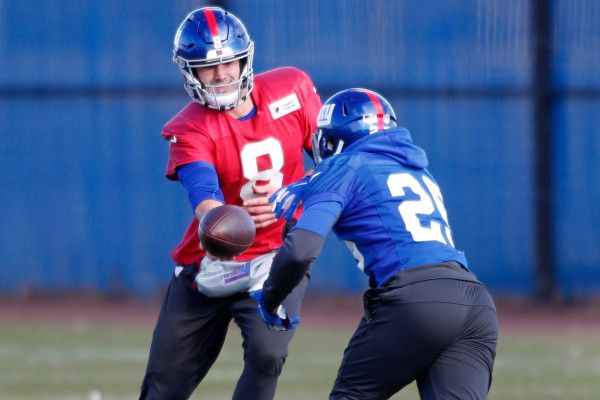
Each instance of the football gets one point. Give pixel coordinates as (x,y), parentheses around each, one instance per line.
(226,231)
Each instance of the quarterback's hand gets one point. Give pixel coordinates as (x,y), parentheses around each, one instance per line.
(259,207)
(288,197)
(278,322)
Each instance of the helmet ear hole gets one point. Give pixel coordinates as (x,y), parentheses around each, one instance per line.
(329,144)
(345,109)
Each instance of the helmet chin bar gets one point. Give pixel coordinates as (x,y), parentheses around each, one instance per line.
(223,101)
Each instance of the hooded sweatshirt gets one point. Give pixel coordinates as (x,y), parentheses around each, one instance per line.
(387,207)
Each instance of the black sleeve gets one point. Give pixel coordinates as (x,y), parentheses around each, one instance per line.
(287,227)
(290,264)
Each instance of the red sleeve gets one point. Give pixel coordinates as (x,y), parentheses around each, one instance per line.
(187,143)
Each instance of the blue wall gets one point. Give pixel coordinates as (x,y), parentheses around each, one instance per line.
(86,87)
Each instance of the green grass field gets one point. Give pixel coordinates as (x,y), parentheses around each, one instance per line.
(94,361)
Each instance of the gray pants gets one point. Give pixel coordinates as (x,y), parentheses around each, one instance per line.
(190,333)
(436,325)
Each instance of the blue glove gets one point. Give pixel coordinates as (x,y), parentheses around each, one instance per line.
(279,322)
(288,198)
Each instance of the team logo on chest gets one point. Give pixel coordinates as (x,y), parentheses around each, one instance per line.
(284,106)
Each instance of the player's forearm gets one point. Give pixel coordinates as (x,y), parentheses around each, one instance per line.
(290,265)
(205,206)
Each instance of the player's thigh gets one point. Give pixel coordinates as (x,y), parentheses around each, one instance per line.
(394,344)
(190,327)
(464,369)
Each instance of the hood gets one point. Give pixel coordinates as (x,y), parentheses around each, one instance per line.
(395,143)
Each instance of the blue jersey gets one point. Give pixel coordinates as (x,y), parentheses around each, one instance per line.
(390,211)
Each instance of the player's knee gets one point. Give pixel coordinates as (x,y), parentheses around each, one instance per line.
(267,361)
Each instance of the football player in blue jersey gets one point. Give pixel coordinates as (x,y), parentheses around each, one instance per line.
(427,317)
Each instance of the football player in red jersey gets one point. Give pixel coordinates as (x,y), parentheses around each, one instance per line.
(239,140)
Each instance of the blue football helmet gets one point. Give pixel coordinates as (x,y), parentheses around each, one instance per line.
(210,36)
(348,116)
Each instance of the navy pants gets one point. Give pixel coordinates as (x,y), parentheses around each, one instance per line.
(190,333)
(434,324)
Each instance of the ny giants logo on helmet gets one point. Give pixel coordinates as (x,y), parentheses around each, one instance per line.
(373,119)
(325,115)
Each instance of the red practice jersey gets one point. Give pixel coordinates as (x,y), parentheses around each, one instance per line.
(264,149)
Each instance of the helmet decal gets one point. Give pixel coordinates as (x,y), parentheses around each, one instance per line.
(378,110)
(214,28)
(325,114)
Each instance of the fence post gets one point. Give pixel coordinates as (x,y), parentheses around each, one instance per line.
(543,94)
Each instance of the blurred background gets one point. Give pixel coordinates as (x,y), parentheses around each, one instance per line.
(504,95)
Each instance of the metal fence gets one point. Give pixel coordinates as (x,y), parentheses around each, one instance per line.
(502,94)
